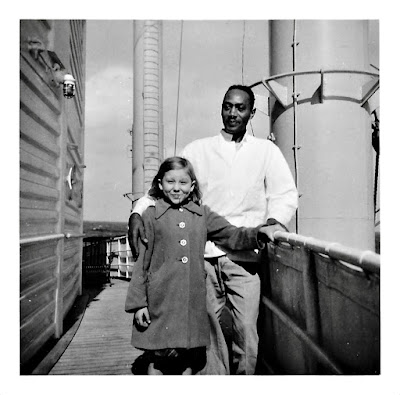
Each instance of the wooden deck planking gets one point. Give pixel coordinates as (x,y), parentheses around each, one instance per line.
(101,346)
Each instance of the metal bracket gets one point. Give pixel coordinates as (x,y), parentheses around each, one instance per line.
(55,61)
(321,88)
(35,47)
(368,90)
(279,91)
(49,60)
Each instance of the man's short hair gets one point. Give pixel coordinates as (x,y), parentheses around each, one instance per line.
(246,89)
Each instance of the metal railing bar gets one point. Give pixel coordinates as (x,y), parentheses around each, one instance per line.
(123,264)
(40,239)
(367,260)
(296,73)
(74,235)
(300,334)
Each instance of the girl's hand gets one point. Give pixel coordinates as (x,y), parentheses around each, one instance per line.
(142,317)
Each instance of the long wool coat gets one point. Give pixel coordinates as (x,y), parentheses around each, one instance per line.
(169,275)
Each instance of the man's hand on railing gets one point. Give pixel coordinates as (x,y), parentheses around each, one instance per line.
(136,231)
(269,230)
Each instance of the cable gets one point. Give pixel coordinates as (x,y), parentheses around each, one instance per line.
(295,143)
(375,144)
(243,37)
(243,42)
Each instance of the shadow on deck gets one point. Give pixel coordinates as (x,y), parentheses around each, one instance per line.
(98,342)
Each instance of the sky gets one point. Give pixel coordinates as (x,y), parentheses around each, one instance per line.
(108,118)
(214,55)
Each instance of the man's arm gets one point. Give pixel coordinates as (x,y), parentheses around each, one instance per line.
(136,231)
(135,225)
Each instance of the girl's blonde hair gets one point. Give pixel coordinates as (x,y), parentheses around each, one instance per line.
(175,163)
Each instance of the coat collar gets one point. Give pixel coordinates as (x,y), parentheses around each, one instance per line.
(162,206)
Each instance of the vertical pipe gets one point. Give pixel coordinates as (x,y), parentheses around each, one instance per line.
(82,136)
(62,163)
(160,96)
(119,258)
(137,129)
(151,100)
(147,138)
(59,294)
(335,159)
(295,140)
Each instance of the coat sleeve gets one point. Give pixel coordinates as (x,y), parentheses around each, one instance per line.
(224,234)
(136,297)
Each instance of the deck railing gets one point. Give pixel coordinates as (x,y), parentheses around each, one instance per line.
(119,256)
(320,305)
(320,310)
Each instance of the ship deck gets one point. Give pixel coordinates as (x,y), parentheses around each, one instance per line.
(101,343)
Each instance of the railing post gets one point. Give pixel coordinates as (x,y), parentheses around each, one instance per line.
(119,258)
(311,305)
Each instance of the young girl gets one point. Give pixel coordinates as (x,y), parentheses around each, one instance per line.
(167,292)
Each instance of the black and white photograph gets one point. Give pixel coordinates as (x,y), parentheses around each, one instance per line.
(201,196)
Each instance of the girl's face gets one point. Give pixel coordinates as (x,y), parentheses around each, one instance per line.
(176,186)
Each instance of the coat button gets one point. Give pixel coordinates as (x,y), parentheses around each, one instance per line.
(185,259)
(182,225)
(183,242)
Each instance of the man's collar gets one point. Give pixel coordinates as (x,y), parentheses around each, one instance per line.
(228,137)
(162,206)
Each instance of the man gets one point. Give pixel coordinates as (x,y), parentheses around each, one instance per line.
(247,181)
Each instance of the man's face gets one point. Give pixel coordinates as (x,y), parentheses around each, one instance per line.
(236,111)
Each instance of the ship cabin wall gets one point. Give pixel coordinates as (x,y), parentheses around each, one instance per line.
(51,178)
